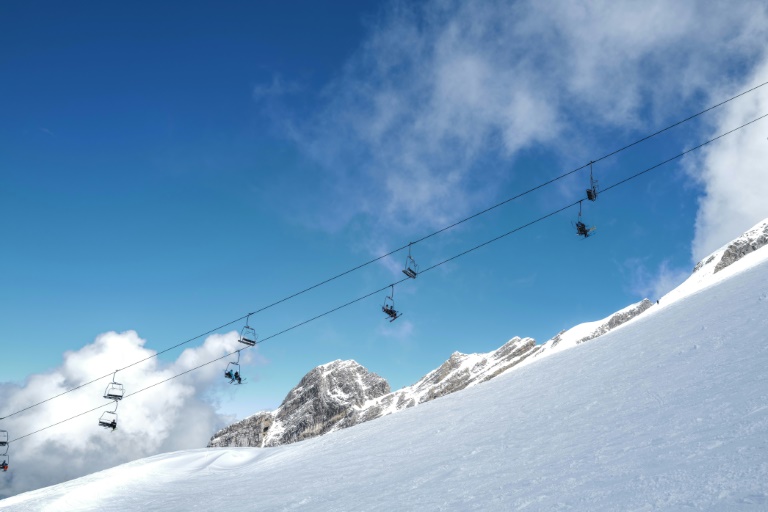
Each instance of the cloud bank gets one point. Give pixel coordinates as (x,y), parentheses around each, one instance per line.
(176,415)
(734,172)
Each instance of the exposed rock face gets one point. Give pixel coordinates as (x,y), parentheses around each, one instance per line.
(248,432)
(458,372)
(323,398)
(581,333)
(619,318)
(749,242)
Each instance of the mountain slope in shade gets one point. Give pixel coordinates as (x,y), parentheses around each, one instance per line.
(668,412)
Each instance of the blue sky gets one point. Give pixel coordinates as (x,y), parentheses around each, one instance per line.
(167,167)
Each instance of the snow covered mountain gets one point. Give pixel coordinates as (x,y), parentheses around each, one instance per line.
(669,411)
(342,394)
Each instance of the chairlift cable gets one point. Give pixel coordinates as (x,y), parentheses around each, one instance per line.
(406,279)
(429,236)
(682,154)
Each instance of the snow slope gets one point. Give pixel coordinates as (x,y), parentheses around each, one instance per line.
(670,412)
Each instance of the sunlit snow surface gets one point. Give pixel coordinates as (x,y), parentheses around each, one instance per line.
(670,412)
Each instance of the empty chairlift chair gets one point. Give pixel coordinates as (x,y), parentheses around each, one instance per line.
(115,390)
(248,335)
(411,267)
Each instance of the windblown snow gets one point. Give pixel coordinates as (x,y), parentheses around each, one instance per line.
(667,412)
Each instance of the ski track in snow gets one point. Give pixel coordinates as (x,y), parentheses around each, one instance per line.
(670,412)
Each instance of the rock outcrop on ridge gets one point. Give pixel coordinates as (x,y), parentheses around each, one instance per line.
(325,397)
(750,241)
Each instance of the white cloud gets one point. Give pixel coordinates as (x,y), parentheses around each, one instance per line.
(652,284)
(439,89)
(399,329)
(734,170)
(172,416)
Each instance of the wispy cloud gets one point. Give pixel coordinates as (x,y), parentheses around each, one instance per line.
(400,329)
(653,283)
(439,90)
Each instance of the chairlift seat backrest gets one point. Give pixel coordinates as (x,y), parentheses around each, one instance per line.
(410,273)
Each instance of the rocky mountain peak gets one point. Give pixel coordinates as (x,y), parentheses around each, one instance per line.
(324,397)
(750,241)
(338,381)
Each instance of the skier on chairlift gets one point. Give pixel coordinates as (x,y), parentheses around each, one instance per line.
(389,306)
(581,228)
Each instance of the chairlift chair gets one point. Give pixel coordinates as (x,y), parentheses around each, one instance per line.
(248,334)
(581,228)
(115,390)
(389,306)
(108,419)
(5,460)
(411,267)
(232,372)
(3,438)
